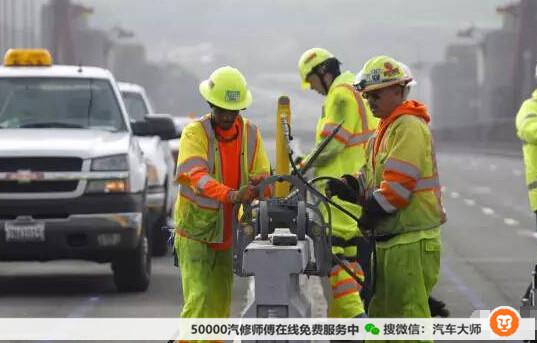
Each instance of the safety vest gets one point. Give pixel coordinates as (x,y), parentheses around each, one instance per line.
(526,126)
(344,103)
(423,208)
(199,217)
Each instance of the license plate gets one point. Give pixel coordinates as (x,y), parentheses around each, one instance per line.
(25,232)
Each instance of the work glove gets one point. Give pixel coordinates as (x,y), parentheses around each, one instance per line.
(366,224)
(245,195)
(372,213)
(356,187)
(340,188)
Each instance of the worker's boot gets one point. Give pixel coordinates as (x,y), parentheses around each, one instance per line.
(438,308)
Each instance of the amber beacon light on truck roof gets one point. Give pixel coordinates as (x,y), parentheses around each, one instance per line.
(27,57)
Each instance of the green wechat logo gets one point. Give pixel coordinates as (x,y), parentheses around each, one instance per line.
(372,329)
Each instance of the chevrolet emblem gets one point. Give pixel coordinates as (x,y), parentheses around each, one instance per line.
(25,176)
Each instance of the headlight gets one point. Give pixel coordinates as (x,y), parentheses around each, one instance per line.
(107,186)
(110,163)
(152,174)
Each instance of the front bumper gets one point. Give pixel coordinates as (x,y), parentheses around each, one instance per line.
(90,227)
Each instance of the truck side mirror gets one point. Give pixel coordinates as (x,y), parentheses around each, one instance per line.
(161,125)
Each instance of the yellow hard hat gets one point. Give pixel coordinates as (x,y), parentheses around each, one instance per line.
(227,89)
(310,59)
(380,72)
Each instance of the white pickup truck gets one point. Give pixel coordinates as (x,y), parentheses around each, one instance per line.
(73,179)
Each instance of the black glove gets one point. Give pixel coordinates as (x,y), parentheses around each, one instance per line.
(355,185)
(339,188)
(366,224)
(372,213)
(373,207)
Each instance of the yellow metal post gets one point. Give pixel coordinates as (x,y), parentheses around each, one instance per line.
(282,159)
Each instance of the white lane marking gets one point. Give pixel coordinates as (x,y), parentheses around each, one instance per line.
(487,210)
(510,221)
(517,172)
(469,202)
(526,233)
(454,195)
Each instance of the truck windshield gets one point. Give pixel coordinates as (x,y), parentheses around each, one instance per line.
(59,103)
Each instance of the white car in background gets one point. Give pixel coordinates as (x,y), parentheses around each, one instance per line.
(160,165)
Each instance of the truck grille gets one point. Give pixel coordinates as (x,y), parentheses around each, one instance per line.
(37,186)
(51,164)
(42,164)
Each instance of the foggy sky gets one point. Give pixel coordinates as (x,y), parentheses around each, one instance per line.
(264,38)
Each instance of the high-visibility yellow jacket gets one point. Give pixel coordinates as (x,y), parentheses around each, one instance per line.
(401,172)
(197,216)
(346,152)
(526,127)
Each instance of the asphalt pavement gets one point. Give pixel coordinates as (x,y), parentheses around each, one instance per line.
(489,247)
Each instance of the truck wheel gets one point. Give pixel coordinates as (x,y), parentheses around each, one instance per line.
(132,269)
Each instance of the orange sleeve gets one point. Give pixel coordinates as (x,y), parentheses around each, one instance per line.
(209,187)
(397,188)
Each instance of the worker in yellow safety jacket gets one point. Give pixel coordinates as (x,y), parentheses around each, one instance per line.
(399,190)
(345,154)
(221,159)
(526,129)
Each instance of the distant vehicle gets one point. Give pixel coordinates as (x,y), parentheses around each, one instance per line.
(180,123)
(73,179)
(161,167)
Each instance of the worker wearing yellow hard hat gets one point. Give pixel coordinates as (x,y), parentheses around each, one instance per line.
(210,150)
(320,71)
(399,189)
